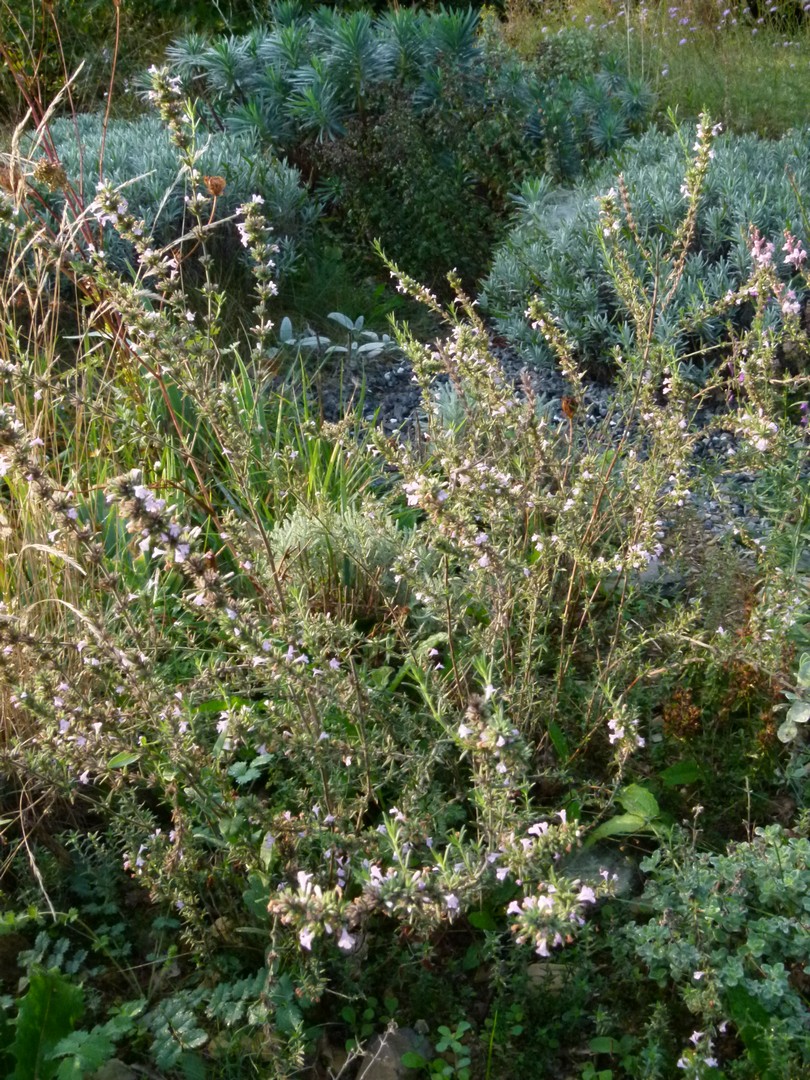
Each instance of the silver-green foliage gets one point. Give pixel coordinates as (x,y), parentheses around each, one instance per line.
(305,76)
(556,248)
(341,554)
(139,153)
(799,710)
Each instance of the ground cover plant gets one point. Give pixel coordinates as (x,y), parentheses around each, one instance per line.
(474,728)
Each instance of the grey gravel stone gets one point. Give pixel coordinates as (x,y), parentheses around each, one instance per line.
(383,1057)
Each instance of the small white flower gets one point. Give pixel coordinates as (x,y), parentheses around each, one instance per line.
(346,941)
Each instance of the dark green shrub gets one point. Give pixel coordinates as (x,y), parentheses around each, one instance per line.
(417,124)
(388,182)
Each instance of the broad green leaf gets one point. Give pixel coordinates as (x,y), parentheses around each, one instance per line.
(256,896)
(683,772)
(621,825)
(192,1066)
(216,705)
(126,757)
(804,671)
(379,676)
(482,920)
(752,1022)
(473,957)
(799,712)
(45,1016)
(558,740)
(603,1045)
(411,1060)
(433,641)
(6,1035)
(637,800)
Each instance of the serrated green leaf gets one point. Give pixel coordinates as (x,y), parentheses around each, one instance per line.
(165,1050)
(243,773)
(287,1018)
(84,1051)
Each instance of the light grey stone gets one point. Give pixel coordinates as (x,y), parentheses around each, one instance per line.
(383,1057)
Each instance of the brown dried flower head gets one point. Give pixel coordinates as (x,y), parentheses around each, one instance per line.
(214,185)
(51,174)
